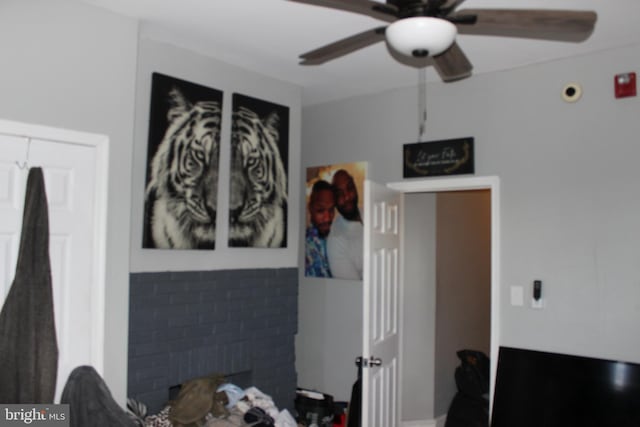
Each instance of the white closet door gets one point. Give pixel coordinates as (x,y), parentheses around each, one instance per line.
(70,181)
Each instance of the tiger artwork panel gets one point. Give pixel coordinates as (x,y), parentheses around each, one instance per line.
(181,195)
(258,192)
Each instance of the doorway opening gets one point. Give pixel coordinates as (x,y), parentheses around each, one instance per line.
(431,320)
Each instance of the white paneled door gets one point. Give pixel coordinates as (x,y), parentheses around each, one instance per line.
(381,288)
(71,172)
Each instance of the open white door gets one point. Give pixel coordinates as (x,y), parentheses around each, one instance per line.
(381,288)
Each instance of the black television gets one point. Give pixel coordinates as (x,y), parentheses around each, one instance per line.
(540,389)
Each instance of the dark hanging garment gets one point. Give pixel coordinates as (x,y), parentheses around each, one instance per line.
(354,416)
(28,346)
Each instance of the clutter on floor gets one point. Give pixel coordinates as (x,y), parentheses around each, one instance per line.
(316,409)
(201,402)
(210,402)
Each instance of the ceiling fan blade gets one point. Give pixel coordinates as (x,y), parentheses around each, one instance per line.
(342,47)
(382,11)
(452,64)
(560,25)
(449,5)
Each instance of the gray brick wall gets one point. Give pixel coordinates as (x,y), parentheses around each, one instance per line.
(240,323)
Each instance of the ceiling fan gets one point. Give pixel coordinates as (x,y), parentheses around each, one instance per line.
(426,29)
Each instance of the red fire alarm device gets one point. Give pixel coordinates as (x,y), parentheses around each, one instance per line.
(625,85)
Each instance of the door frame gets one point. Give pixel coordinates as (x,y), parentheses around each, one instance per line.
(492,183)
(99,143)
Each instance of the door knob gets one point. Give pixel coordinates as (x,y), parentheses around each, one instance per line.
(375,361)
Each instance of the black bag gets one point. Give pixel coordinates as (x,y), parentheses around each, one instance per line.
(470,406)
(309,407)
(472,376)
(467,412)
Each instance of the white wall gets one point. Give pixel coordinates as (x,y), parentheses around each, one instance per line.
(165,58)
(419,300)
(329,335)
(72,66)
(569,189)
(463,289)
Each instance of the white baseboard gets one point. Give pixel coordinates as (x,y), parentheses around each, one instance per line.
(441,420)
(424,423)
(438,422)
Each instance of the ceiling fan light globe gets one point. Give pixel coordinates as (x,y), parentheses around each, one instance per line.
(419,34)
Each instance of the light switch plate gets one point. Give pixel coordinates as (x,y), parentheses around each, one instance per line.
(517,295)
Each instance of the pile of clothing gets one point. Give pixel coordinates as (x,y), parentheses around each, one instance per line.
(210,402)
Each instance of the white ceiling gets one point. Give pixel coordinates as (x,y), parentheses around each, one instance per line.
(268,35)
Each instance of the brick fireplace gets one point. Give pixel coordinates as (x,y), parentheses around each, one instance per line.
(240,323)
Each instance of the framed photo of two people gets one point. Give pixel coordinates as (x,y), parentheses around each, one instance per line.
(334,231)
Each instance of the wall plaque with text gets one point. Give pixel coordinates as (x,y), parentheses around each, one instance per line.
(437,158)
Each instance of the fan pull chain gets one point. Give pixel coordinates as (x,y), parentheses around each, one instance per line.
(422,104)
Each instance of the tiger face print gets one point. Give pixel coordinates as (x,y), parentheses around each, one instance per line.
(258,199)
(181,196)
